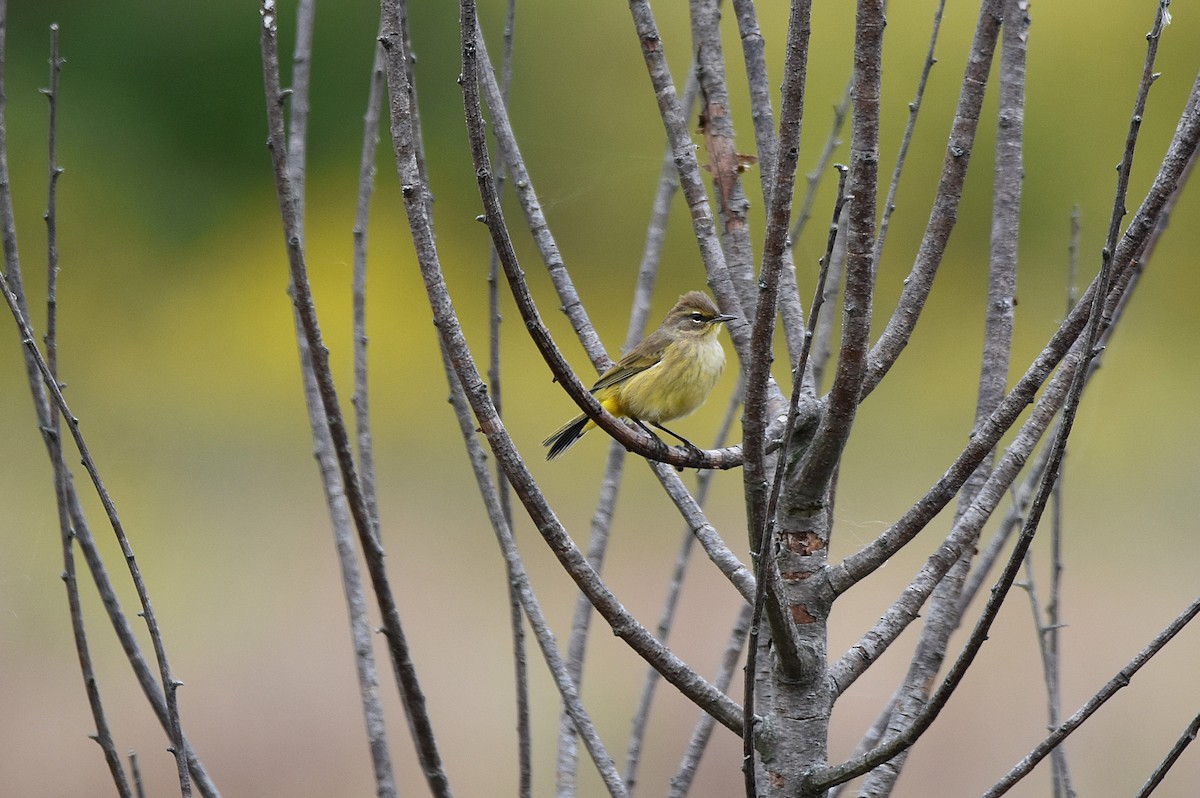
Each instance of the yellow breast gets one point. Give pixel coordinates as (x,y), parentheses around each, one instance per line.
(677,384)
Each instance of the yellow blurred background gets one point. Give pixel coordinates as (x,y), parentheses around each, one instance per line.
(177,346)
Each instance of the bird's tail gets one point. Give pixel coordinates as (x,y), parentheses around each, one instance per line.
(564,438)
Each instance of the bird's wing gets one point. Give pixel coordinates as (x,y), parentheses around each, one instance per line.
(646,354)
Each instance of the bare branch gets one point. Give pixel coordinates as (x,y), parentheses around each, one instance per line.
(692,184)
(519,579)
(906,607)
(641,715)
(297,142)
(623,624)
(516,619)
(822,456)
(362,213)
(1048,632)
(914,108)
(360,626)
(1047,639)
(1122,679)
(137,775)
(724,163)
(170,684)
(758,386)
(753,53)
(1160,772)
(945,209)
(522,182)
(414,700)
(822,343)
(681,782)
(1095,324)
(821,168)
(62,478)
(937,701)
(943,616)
(581,620)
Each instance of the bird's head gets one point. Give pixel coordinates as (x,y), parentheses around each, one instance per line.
(695,315)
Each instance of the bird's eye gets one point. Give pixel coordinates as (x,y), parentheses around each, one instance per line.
(697,317)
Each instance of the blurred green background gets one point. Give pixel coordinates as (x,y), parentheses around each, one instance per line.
(177,347)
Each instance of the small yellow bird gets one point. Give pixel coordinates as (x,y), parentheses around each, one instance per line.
(665,377)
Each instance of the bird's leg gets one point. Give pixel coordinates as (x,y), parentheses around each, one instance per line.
(679,438)
(650,432)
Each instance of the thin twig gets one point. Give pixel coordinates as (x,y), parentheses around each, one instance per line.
(628,436)
(914,108)
(681,782)
(51,215)
(362,216)
(12,285)
(690,180)
(886,751)
(754,55)
(1048,635)
(601,525)
(170,684)
(623,624)
(539,229)
(39,370)
(568,690)
(1160,772)
(945,208)
(361,632)
(495,317)
(641,715)
(822,344)
(297,142)
(137,775)
(821,167)
(341,522)
(943,617)
(1122,679)
(1047,640)
(409,686)
(103,735)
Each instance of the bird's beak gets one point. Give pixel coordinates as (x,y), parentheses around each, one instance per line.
(723,317)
